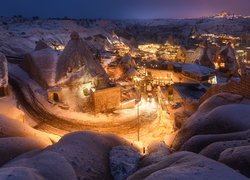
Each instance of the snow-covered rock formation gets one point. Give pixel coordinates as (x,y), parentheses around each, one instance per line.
(225,115)
(3,75)
(155,153)
(15,128)
(79,155)
(219,128)
(77,62)
(186,165)
(41,66)
(124,161)
(237,158)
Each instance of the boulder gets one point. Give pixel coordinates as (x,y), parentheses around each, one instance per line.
(79,155)
(13,128)
(20,173)
(223,119)
(186,166)
(237,158)
(156,151)
(88,153)
(12,147)
(49,165)
(197,143)
(217,100)
(123,161)
(213,150)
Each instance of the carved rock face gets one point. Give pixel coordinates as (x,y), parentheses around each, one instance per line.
(74,36)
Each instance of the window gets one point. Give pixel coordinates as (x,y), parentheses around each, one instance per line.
(86,92)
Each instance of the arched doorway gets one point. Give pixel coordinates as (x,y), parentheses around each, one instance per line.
(2,93)
(55,97)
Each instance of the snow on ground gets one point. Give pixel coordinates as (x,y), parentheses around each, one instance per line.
(151,129)
(8,107)
(14,128)
(78,117)
(19,38)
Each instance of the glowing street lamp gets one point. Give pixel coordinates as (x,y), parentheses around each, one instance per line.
(138,121)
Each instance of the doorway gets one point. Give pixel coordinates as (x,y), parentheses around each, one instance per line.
(2,92)
(55,97)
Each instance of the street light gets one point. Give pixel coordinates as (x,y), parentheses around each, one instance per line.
(138,114)
(138,121)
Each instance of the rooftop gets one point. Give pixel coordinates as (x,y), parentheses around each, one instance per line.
(191,91)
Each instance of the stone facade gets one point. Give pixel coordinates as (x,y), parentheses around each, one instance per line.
(168,76)
(55,94)
(106,99)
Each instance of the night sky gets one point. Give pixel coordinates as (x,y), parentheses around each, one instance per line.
(122,9)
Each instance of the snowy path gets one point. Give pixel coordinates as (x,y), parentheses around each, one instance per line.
(49,122)
(54,120)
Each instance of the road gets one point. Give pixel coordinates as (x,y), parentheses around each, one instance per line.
(51,123)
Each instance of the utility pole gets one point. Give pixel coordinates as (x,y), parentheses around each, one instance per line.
(138,114)
(138,121)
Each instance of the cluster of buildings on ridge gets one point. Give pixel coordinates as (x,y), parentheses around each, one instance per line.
(183,76)
(167,72)
(72,72)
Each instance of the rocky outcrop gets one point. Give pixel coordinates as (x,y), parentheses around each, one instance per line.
(220,114)
(88,153)
(220,130)
(237,158)
(47,164)
(197,143)
(156,151)
(3,75)
(123,161)
(14,146)
(221,120)
(214,150)
(79,155)
(14,128)
(78,63)
(186,165)
(20,173)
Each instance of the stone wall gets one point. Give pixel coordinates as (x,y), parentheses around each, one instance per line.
(106,99)
(242,88)
(169,76)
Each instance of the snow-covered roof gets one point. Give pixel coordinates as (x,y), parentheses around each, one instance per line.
(197,69)
(191,91)
(3,71)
